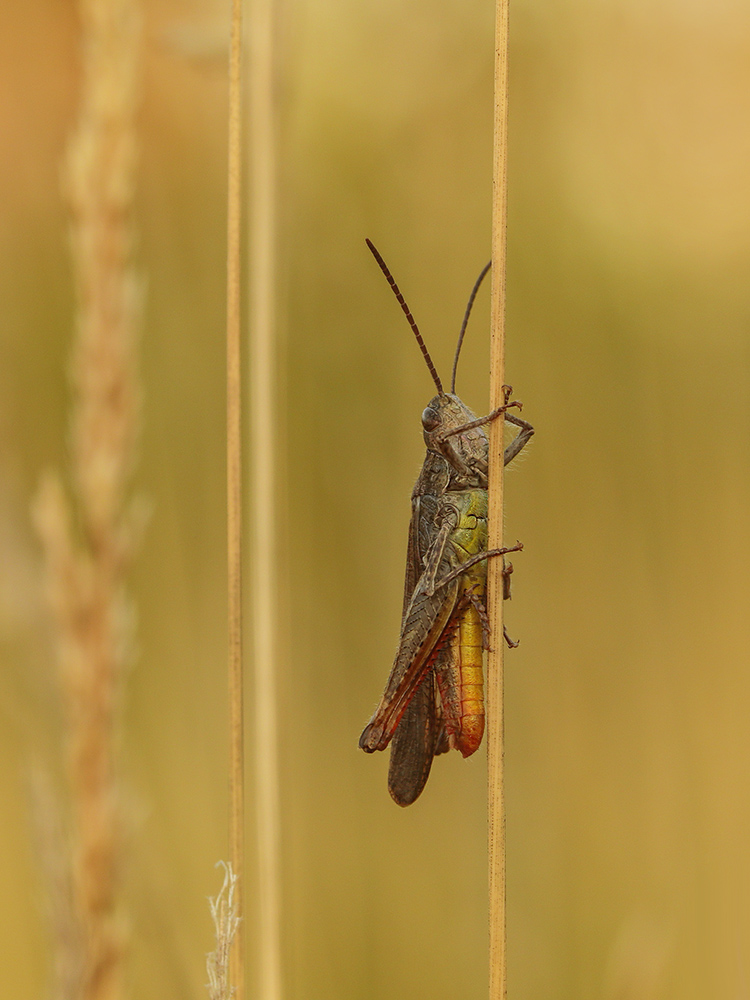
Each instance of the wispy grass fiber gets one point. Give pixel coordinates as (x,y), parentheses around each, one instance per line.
(226,921)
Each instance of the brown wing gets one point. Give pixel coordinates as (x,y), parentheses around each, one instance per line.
(424,622)
(417,735)
(415,743)
(409,715)
(416,729)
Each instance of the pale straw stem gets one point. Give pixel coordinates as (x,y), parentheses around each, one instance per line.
(234,498)
(495,708)
(264,590)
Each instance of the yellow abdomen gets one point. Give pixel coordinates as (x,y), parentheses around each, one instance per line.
(470,682)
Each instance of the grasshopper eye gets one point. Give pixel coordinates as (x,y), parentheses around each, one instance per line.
(430,418)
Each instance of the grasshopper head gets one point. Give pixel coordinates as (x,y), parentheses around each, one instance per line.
(466,452)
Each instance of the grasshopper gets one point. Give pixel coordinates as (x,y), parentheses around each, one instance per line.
(434,698)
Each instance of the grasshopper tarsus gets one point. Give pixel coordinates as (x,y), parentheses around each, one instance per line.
(513,643)
(518,547)
(506,575)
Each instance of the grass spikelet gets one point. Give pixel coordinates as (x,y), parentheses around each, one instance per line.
(87,536)
(226,921)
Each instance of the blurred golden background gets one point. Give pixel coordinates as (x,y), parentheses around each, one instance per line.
(628,701)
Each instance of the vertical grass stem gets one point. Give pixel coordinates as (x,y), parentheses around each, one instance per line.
(234,495)
(495,707)
(263,375)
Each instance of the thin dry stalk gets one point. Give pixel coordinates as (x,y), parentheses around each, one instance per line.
(495,708)
(226,921)
(262,204)
(53,851)
(234,491)
(87,541)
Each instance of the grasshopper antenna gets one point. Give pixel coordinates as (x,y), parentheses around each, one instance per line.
(407,313)
(473,295)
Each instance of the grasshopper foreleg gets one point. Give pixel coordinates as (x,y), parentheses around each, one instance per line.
(480,421)
(520,440)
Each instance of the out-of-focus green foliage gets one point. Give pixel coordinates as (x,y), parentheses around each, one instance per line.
(628,701)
